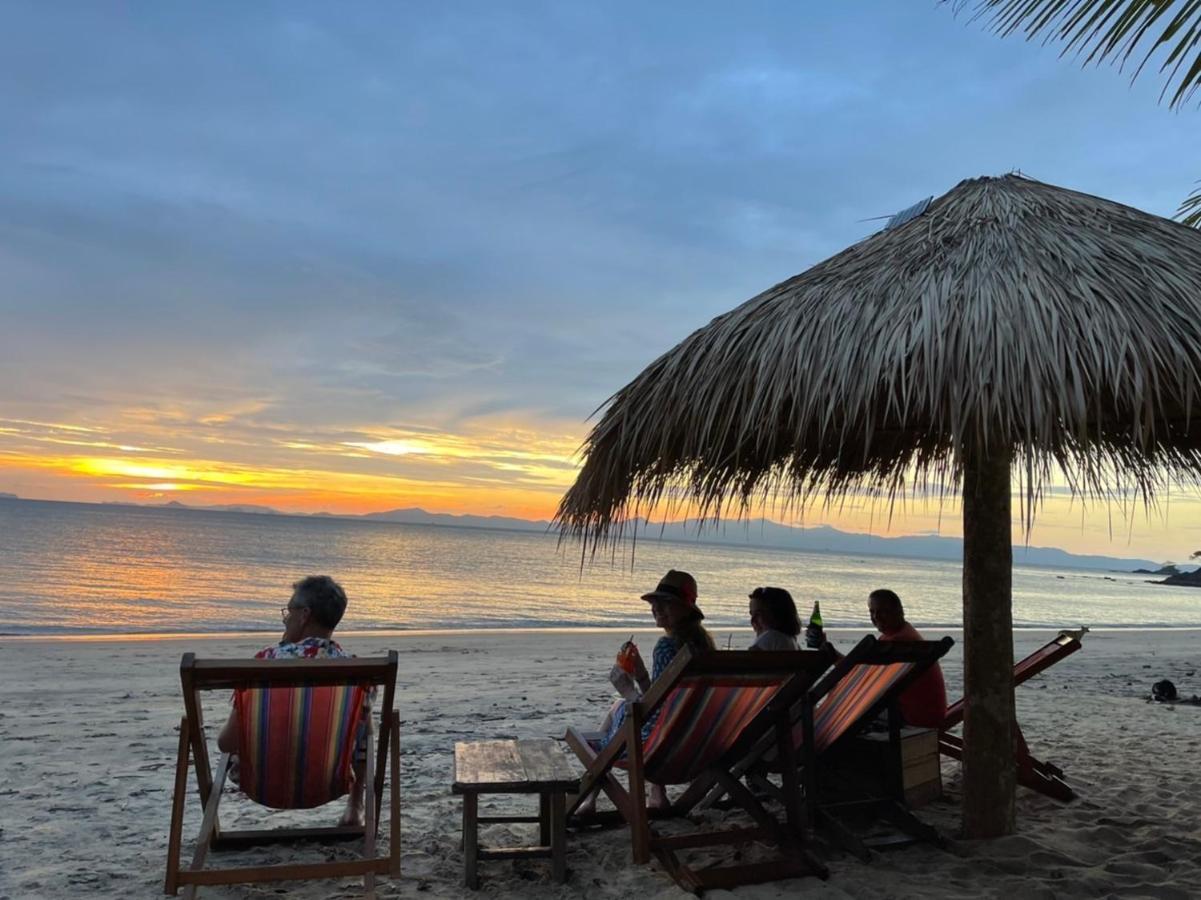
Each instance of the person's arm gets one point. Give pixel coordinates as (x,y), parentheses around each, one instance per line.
(641,676)
(227,740)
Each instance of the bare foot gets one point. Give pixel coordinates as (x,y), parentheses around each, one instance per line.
(353,814)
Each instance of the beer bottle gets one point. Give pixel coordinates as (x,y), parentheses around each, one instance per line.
(814,635)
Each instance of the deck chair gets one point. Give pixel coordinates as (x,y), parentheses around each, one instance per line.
(864,684)
(299,722)
(1033,773)
(844,703)
(709,709)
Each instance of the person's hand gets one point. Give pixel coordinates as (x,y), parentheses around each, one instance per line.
(640,674)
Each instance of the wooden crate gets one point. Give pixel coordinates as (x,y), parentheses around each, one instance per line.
(921,772)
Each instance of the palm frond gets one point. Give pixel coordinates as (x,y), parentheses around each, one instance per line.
(1110,30)
(1190,210)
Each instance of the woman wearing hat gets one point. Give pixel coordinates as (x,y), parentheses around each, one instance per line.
(673,604)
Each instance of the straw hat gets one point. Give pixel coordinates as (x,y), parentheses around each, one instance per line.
(676,585)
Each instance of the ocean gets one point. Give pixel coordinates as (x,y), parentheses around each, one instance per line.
(71,568)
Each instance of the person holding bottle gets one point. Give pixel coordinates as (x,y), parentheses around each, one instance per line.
(774,618)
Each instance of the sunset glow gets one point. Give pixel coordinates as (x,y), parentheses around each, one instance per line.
(508,469)
(401,277)
(460,473)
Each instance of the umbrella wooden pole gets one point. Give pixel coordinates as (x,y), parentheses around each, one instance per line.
(989,775)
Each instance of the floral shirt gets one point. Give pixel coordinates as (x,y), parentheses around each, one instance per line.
(309,648)
(312,648)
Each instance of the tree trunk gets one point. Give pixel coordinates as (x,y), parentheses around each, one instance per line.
(989,772)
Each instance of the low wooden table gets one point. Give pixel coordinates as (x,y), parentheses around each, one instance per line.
(515,767)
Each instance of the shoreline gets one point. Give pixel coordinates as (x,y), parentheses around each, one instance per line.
(371,633)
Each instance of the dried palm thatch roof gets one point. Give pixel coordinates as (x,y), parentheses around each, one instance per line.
(1012,313)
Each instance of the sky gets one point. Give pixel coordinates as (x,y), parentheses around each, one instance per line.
(355,257)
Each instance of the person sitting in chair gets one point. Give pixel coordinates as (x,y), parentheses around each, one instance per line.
(673,605)
(774,618)
(314,611)
(923,703)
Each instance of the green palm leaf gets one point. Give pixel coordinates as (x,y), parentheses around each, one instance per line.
(1114,31)
(1111,31)
(1190,210)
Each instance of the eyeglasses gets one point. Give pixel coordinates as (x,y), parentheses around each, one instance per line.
(284,610)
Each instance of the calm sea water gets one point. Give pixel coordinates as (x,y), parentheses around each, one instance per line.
(76,568)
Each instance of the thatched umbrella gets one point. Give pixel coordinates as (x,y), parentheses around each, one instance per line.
(1014,326)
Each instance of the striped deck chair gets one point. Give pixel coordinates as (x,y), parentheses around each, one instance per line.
(299,722)
(709,709)
(843,704)
(1033,773)
(848,699)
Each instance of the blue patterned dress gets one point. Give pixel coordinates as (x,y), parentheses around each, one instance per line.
(665,650)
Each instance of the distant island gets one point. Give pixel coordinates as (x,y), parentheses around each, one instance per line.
(759,533)
(7,496)
(1176,576)
(1183,579)
(248,508)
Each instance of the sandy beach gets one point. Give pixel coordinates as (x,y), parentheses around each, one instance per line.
(89,730)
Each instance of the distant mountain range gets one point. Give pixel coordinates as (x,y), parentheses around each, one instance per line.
(760,533)
(248,508)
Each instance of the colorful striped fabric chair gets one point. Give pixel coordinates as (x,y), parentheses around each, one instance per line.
(1033,773)
(709,709)
(297,743)
(299,722)
(861,687)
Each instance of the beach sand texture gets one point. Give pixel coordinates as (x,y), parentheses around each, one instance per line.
(88,732)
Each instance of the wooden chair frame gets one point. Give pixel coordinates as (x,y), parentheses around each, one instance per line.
(1031,772)
(199,675)
(764,757)
(830,814)
(798,671)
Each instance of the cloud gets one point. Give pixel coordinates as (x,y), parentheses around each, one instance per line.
(245,230)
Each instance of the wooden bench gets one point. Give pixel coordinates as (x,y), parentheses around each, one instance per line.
(515,767)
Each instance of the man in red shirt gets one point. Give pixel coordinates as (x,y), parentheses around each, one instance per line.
(924,703)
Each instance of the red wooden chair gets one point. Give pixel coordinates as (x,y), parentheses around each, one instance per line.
(860,688)
(1033,773)
(710,709)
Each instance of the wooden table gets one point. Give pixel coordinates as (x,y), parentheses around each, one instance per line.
(515,767)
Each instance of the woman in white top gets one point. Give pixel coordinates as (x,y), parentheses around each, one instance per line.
(774,618)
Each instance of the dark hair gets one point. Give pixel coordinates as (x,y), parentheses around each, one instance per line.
(778,610)
(692,633)
(887,597)
(324,597)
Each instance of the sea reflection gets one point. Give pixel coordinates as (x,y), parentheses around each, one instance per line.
(80,568)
